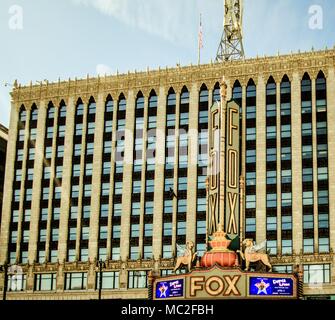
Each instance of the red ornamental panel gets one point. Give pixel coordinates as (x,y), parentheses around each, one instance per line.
(223,259)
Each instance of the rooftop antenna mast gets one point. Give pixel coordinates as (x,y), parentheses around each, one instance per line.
(231,44)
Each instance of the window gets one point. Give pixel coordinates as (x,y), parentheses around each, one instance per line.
(286,131)
(74,213)
(137,279)
(17,282)
(75,191)
(58,192)
(201,227)
(149,186)
(286,222)
(73,233)
(71,256)
(102,254)
(271,177)
(181,228)
(44,214)
(286,153)
(88,169)
(251,156)
(323,220)
(135,230)
(308,222)
(283,269)
(272,247)
(168,206)
(90,128)
(104,210)
(135,208)
(87,190)
(25,237)
(251,134)
(182,183)
(322,197)
(29,194)
(53,256)
(271,223)
(59,172)
(45,282)
(79,129)
(271,132)
(116,230)
(307,174)
(148,230)
(307,198)
(90,148)
(103,232)
(323,245)
(84,254)
(110,280)
(271,200)
(149,207)
(61,131)
(201,205)
(316,273)
(77,149)
(147,252)
(75,281)
(182,206)
(271,110)
(60,151)
(251,201)
(85,233)
(167,229)
(43,235)
(31,154)
(286,176)
(286,199)
(118,187)
(167,251)
(250,224)
(308,245)
(285,109)
(134,253)
(117,210)
(286,247)
(306,129)
(26,215)
(115,253)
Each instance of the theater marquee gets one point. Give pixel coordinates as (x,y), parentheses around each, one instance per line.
(221,283)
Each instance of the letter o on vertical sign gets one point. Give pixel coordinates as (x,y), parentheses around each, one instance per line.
(232,171)
(209,288)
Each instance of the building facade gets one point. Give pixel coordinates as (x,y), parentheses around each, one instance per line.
(114,169)
(3,148)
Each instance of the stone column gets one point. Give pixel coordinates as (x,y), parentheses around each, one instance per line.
(192,160)
(159,175)
(127,176)
(331,156)
(175,181)
(23,179)
(81,180)
(8,183)
(278,146)
(315,169)
(66,181)
(38,172)
(296,163)
(260,160)
(96,177)
(143,176)
(331,152)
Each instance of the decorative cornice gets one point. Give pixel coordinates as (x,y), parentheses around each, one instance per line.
(209,74)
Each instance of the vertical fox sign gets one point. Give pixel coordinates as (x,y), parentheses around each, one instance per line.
(232,170)
(224,167)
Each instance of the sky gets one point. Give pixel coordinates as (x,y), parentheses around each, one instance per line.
(48,39)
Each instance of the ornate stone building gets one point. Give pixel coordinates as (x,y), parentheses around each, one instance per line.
(3,148)
(114,169)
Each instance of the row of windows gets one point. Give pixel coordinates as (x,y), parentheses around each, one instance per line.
(313,274)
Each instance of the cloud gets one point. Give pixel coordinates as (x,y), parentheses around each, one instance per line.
(102,69)
(170,20)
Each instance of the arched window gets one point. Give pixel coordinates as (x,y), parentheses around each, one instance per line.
(23,114)
(34,113)
(216,93)
(51,111)
(185,96)
(171,99)
(91,106)
(62,109)
(80,108)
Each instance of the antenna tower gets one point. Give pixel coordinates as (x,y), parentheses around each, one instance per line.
(231,45)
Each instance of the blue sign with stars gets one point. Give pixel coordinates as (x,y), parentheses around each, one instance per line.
(270,286)
(170,289)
